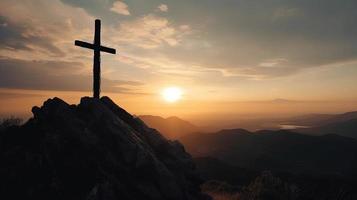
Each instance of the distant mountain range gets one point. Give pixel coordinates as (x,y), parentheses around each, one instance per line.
(171,127)
(320,160)
(341,124)
(326,147)
(313,124)
(278,151)
(322,119)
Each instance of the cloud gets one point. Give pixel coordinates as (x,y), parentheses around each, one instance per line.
(286,13)
(55,75)
(20,37)
(28,33)
(250,39)
(120,8)
(163,8)
(273,62)
(150,32)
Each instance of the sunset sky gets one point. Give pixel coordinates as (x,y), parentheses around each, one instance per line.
(228,57)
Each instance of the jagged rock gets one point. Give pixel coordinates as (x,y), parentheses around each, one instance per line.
(96,151)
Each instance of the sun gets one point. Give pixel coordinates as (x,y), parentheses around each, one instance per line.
(172,94)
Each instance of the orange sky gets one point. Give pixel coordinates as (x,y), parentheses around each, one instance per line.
(228,62)
(200,112)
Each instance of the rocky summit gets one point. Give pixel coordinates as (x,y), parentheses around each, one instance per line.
(93,151)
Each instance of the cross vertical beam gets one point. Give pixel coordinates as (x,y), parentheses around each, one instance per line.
(97,48)
(96,61)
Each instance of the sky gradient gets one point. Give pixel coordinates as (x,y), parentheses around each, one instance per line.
(230,57)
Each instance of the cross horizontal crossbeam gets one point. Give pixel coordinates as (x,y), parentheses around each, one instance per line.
(91,46)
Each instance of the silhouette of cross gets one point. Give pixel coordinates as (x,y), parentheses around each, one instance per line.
(96,60)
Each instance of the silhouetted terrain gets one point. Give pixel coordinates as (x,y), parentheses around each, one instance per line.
(277,150)
(215,169)
(93,151)
(171,127)
(319,167)
(96,150)
(227,181)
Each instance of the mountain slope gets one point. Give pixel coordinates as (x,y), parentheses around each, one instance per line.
(171,127)
(94,150)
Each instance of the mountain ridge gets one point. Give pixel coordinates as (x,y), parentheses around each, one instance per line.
(171,127)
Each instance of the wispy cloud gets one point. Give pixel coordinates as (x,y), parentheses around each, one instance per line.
(15,37)
(120,8)
(284,12)
(150,32)
(41,35)
(163,8)
(54,75)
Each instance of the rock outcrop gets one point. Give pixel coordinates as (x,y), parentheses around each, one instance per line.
(94,151)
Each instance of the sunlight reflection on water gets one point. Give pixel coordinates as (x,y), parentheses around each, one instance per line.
(291,126)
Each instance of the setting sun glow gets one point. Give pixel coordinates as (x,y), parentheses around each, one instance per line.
(172,94)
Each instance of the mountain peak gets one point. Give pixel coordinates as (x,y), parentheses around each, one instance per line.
(172,127)
(94,150)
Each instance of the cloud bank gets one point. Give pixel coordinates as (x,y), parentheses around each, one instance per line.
(245,40)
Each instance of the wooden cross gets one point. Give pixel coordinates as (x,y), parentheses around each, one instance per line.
(96,61)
